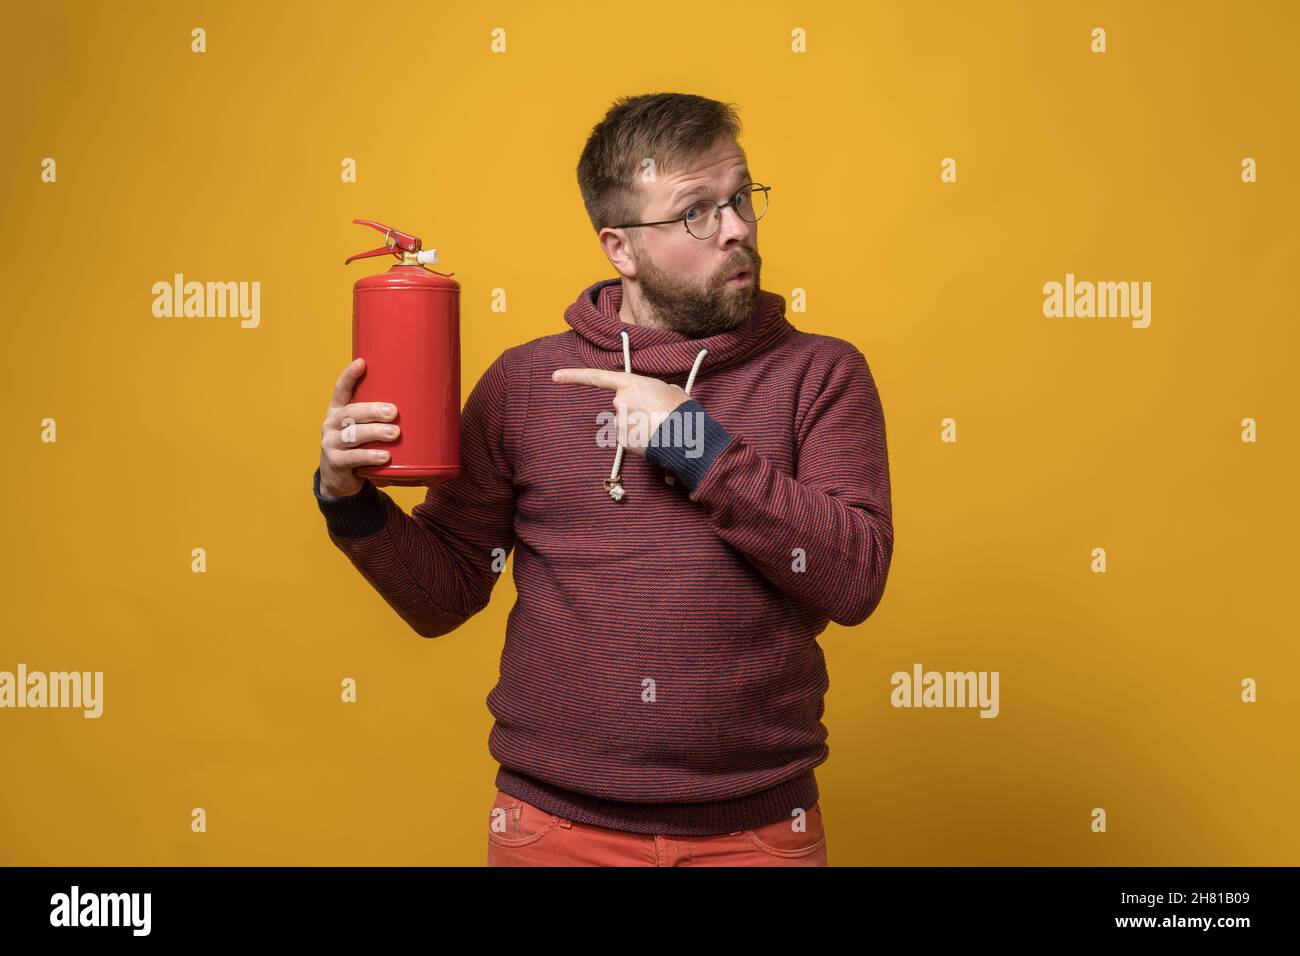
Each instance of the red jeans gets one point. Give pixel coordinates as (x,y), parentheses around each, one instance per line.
(520,834)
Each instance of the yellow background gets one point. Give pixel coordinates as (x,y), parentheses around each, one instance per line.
(1118,690)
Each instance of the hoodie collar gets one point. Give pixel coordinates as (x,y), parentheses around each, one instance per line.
(664,353)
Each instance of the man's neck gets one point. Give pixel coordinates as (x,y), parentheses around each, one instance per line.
(634,311)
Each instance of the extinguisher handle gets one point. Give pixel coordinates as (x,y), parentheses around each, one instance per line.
(393,237)
(381,251)
(394,240)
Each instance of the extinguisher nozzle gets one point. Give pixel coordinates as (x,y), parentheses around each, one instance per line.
(427,257)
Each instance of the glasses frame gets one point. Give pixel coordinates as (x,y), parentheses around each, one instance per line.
(717,212)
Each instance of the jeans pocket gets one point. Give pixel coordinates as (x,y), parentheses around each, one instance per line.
(514,822)
(782,839)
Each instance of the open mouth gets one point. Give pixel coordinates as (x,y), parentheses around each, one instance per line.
(743,277)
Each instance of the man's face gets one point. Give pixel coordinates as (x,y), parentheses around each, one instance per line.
(688,282)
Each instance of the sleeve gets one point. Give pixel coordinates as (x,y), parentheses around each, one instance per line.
(825,537)
(436,567)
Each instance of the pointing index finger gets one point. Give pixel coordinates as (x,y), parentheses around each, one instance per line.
(601,378)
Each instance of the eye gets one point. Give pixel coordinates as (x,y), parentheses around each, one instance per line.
(699,210)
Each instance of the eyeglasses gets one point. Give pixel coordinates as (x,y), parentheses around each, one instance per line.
(701,220)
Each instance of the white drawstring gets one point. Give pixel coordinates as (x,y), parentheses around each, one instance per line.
(690,380)
(614,483)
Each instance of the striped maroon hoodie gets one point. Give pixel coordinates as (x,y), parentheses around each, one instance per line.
(661,671)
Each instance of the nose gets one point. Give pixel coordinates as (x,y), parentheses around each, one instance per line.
(732,228)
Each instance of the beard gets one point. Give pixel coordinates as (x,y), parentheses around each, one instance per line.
(698,312)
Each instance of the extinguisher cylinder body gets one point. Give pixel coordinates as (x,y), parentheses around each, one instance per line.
(406,325)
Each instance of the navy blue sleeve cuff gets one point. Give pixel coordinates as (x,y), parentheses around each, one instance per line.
(355,516)
(687,441)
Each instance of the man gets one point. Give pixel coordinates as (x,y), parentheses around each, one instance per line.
(661,683)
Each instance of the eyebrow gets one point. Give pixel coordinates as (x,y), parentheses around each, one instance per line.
(745,176)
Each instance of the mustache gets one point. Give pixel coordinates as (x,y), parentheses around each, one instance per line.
(750,262)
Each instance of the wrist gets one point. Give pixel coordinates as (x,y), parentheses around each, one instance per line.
(355,515)
(331,492)
(688,448)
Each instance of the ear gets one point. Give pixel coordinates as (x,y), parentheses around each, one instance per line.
(622,250)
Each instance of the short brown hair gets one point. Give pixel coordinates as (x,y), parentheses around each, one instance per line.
(671,128)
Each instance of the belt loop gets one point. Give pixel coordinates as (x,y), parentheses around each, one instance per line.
(567,824)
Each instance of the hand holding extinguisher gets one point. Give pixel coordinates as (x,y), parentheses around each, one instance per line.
(406,348)
(347,425)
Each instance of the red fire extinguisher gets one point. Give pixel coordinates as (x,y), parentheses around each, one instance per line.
(406,325)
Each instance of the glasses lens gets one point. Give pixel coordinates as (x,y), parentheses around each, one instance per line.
(702,219)
(752,203)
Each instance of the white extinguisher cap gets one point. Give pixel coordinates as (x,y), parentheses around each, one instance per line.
(427,257)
